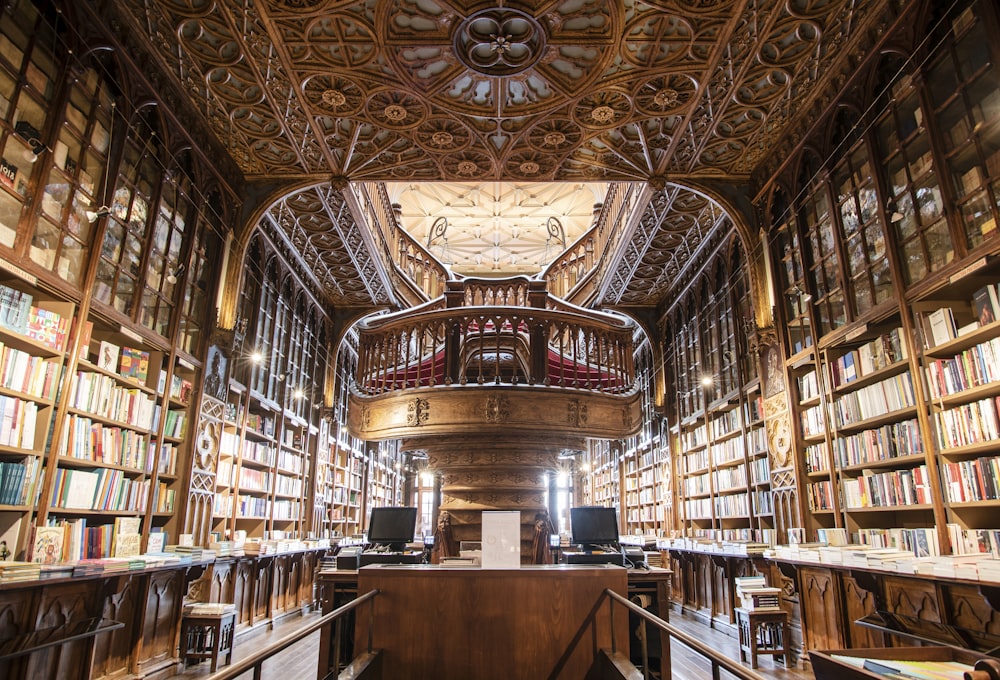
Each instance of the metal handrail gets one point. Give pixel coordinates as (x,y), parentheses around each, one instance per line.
(255,660)
(712,655)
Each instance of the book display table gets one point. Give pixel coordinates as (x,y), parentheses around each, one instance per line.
(208,636)
(764,632)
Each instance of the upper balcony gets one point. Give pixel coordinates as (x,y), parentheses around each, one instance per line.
(496,354)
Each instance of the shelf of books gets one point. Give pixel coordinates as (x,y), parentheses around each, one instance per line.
(961,368)
(291,465)
(108,454)
(605,475)
(644,479)
(33,338)
(696,465)
(384,487)
(323,482)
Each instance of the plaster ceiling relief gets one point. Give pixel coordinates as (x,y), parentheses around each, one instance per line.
(575,92)
(489,228)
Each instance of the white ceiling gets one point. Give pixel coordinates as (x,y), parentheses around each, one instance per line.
(496,228)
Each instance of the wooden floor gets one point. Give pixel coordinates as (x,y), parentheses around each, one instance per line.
(299,661)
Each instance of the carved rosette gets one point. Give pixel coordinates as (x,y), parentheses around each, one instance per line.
(497,409)
(417,412)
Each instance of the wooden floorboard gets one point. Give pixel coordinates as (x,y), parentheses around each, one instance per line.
(299,661)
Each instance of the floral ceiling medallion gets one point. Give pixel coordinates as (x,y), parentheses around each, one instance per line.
(500,41)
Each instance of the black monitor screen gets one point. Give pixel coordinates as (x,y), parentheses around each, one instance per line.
(394,526)
(594,526)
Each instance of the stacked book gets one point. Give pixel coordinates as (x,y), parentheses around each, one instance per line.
(19,571)
(754,594)
(208,608)
(222,548)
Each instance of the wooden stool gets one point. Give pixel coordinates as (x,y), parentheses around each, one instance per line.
(206,636)
(764,632)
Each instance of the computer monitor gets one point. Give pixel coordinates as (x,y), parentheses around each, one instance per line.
(594,526)
(392,527)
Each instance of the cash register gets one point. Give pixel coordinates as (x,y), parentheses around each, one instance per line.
(595,533)
(389,532)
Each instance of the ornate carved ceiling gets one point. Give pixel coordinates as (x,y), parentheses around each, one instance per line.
(564,90)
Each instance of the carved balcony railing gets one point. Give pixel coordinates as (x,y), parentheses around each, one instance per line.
(508,332)
(421,271)
(571,276)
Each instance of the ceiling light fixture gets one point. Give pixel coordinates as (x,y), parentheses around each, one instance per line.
(174,274)
(94,215)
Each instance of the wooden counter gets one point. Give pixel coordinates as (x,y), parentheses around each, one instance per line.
(336,587)
(545,621)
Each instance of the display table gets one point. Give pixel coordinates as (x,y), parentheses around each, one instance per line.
(208,636)
(763,632)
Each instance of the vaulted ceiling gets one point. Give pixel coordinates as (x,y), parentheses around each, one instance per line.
(681,93)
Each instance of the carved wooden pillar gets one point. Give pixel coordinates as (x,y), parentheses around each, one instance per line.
(478,476)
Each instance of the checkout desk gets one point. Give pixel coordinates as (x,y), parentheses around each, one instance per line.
(489,623)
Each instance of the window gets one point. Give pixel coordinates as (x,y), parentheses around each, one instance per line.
(869,278)
(28,71)
(915,194)
(74,182)
(821,245)
(964,86)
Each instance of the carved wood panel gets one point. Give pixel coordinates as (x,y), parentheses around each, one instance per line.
(113,651)
(821,610)
(223,581)
(16,608)
(279,575)
(56,607)
(719,588)
(859,602)
(243,590)
(262,567)
(161,618)
(967,608)
(702,582)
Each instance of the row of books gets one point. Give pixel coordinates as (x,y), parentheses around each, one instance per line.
(886,396)
(14,308)
(939,326)
(816,458)
(973,423)
(732,505)
(808,384)
(86,439)
(175,423)
(872,356)
(972,480)
(978,365)
(285,509)
(698,508)
(103,489)
(729,449)
(696,485)
(820,495)
(813,421)
(76,542)
(892,488)
(23,372)
(730,478)
(16,481)
(722,541)
(18,422)
(258,452)
(921,541)
(881,443)
(128,362)
(287,486)
(102,396)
